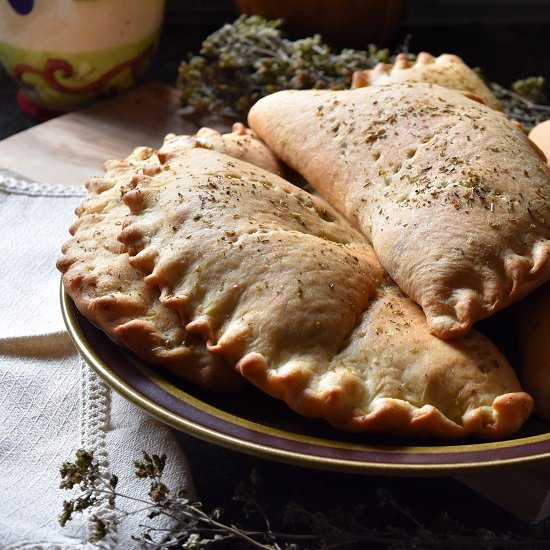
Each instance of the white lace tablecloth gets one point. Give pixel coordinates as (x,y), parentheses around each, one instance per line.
(51,403)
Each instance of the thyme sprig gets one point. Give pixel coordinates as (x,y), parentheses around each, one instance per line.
(525,101)
(251,57)
(193,528)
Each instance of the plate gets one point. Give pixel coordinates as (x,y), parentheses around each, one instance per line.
(267,428)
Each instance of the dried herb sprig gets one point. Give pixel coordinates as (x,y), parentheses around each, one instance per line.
(192,528)
(525,101)
(96,491)
(250,58)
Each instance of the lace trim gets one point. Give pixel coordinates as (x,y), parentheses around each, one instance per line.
(94,419)
(16,185)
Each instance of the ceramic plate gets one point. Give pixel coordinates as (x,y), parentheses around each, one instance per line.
(265,427)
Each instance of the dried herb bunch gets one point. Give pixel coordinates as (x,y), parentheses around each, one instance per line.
(250,58)
(191,528)
(525,101)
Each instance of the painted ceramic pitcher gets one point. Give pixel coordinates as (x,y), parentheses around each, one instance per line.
(67,53)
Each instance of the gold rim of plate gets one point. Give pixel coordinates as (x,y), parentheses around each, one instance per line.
(280,441)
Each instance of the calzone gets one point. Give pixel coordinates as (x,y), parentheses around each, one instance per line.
(452,195)
(282,287)
(446,70)
(532,320)
(532,327)
(111,293)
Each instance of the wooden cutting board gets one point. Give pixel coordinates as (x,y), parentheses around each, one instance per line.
(69,149)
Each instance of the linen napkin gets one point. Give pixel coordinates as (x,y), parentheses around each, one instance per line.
(51,402)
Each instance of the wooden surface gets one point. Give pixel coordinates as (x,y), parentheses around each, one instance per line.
(69,149)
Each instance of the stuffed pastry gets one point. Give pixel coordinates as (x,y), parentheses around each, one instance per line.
(111,293)
(446,70)
(284,289)
(532,320)
(452,195)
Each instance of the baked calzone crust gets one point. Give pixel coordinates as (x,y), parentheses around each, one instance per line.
(532,325)
(112,294)
(446,70)
(532,320)
(452,195)
(279,285)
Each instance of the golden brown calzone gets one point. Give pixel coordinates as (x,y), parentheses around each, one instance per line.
(279,285)
(112,294)
(446,70)
(532,320)
(532,324)
(452,195)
